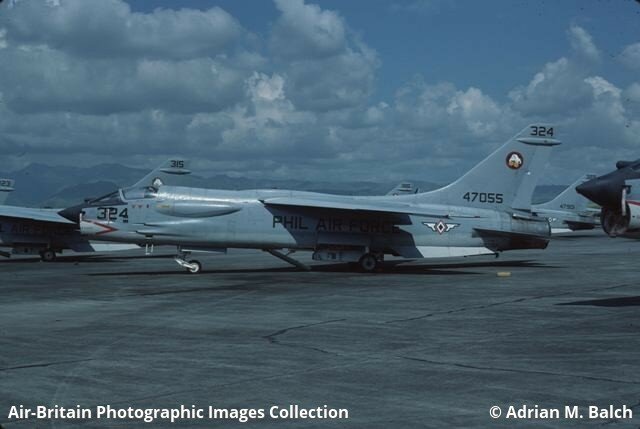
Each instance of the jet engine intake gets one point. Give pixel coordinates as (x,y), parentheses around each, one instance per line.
(615,222)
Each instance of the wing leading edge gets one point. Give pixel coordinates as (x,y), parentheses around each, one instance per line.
(352,206)
(37,215)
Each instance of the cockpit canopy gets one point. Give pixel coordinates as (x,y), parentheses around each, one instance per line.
(123,195)
(111,198)
(139,193)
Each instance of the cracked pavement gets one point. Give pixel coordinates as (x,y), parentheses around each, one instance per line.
(423,344)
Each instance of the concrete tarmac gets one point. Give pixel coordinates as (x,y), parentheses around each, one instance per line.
(426,344)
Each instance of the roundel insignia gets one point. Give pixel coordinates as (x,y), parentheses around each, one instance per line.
(514,160)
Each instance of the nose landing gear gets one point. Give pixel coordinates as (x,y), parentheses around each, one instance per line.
(193,266)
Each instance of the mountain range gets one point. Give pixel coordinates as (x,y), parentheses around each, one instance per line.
(40,185)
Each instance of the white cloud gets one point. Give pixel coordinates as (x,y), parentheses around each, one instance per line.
(109,28)
(633,92)
(3,38)
(106,83)
(44,79)
(582,43)
(306,31)
(630,56)
(327,67)
(556,90)
(268,123)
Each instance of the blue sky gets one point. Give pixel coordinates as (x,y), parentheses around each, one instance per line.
(328,89)
(494,45)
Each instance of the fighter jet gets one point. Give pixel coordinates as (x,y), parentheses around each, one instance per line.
(486,211)
(618,193)
(569,211)
(404,188)
(31,231)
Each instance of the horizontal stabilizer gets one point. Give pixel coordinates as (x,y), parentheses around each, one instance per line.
(506,240)
(440,251)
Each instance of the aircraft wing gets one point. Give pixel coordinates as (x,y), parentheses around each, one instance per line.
(356,206)
(38,215)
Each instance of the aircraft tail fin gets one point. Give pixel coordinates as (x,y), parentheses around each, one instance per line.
(505,179)
(165,173)
(6,187)
(569,199)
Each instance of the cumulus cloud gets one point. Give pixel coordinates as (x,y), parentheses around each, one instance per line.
(555,90)
(269,121)
(582,43)
(109,84)
(560,87)
(306,31)
(633,92)
(327,68)
(447,129)
(109,29)
(42,79)
(630,56)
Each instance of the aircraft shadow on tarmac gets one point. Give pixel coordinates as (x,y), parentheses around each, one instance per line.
(623,301)
(72,259)
(389,268)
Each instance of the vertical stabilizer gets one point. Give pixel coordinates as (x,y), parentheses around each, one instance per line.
(6,187)
(168,172)
(569,199)
(505,179)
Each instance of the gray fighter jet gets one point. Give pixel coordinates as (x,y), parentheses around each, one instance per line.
(486,211)
(618,193)
(404,188)
(31,231)
(569,211)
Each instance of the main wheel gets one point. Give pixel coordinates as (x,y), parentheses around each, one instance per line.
(195,268)
(368,262)
(48,255)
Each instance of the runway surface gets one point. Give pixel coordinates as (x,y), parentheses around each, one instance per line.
(427,344)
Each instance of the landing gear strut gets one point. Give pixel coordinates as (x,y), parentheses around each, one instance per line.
(193,266)
(288,259)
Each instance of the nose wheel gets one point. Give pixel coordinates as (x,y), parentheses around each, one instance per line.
(193,266)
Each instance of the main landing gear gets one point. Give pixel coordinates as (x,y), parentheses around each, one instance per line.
(193,266)
(48,255)
(369,262)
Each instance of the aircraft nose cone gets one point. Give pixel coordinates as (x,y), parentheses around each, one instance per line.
(72,213)
(605,192)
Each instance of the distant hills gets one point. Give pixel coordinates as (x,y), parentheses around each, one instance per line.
(39,185)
